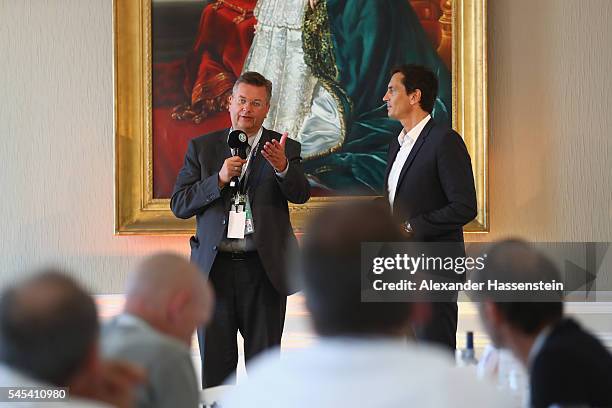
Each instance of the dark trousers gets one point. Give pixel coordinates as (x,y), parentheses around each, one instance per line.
(442,327)
(245,301)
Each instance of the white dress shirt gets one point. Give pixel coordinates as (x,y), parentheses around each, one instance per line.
(361,372)
(406,141)
(253,144)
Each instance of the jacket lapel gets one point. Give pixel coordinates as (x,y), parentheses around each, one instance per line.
(393,150)
(222,150)
(415,151)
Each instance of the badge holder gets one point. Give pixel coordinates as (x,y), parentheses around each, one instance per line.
(240,216)
(237,217)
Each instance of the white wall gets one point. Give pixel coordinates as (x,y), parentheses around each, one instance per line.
(550,98)
(550,172)
(57,143)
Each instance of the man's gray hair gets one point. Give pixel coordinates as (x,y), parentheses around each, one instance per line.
(255,79)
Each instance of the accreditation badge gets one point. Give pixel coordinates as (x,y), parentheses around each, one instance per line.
(236,226)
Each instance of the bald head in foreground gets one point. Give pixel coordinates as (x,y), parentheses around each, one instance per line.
(167,297)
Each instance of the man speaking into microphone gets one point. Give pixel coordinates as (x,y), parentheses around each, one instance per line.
(243,233)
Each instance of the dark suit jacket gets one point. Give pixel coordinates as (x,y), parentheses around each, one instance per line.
(572,367)
(435,190)
(196,192)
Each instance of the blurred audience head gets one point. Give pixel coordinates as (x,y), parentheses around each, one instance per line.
(171,294)
(331,272)
(48,328)
(521,314)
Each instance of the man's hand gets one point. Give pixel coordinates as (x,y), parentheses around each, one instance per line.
(118,381)
(407,230)
(114,384)
(232,167)
(313,3)
(274,153)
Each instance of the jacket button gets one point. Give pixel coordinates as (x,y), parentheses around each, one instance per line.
(214,247)
(223,221)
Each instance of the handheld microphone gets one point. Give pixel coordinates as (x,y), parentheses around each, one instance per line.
(238,144)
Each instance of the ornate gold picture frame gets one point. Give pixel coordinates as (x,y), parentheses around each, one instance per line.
(137,212)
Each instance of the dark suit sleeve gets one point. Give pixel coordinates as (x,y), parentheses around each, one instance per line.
(457,180)
(558,378)
(191,194)
(294,185)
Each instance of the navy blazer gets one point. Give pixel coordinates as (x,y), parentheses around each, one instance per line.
(435,191)
(571,368)
(196,193)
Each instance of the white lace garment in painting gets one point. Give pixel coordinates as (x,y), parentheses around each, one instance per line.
(300,104)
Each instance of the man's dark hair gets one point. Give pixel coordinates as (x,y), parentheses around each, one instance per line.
(331,274)
(255,79)
(422,78)
(48,326)
(516,261)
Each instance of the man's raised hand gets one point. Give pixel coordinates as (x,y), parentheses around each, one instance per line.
(274,153)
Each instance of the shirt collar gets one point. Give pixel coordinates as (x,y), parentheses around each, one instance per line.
(128,319)
(413,133)
(131,320)
(538,344)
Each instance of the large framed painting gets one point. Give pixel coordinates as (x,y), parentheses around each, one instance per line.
(329,62)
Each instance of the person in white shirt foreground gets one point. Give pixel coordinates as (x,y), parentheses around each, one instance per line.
(362,357)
